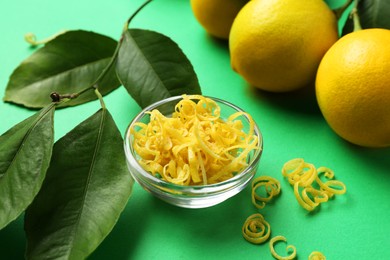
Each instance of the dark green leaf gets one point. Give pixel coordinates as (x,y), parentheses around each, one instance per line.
(69,63)
(372,13)
(152,67)
(25,152)
(86,188)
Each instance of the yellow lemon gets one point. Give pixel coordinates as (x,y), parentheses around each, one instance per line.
(216,16)
(277,45)
(353,87)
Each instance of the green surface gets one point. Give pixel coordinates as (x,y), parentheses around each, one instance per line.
(352,226)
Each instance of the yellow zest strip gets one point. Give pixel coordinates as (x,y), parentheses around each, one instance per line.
(199,138)
(301,202)
(201,162)
(238,162)
(194,146)
(316,256)
(271,186)
(288,248)
(255,229)
(316,196)
(291,168)
(327,186)
(302,176)
(299,171)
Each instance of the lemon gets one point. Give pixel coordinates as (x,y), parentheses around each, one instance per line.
(353,87)
(277,45)
(216,16)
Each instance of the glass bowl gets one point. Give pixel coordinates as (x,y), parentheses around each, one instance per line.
(196,196)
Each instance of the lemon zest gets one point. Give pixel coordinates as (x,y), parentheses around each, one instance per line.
(288,248)
(302,176)
(256,229)
(271,186)
(195,145)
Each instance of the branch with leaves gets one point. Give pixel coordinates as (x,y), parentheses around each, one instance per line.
(74,190)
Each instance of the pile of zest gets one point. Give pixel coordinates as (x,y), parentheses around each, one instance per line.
(195,146)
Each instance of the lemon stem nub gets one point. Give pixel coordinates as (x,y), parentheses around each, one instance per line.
(355,16)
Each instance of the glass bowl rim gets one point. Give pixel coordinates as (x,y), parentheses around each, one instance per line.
(130,158)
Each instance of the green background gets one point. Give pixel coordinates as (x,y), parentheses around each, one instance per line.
(352,226)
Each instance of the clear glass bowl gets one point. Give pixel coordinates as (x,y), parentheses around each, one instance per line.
(199,196)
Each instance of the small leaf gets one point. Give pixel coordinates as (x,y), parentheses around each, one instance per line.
(152,67)
(372,13)
(67,64)
(86,188)
(25,152)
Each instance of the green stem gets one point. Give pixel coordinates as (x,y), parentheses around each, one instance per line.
(339,11)
(102,104)
(126,26)
(115,55)
(107,68)
(355,16)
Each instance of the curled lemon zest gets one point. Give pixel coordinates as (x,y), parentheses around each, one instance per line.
(330,186)
(256,229)
(204,147)
(288,248)
(309,190)
(271,187)
(297,170)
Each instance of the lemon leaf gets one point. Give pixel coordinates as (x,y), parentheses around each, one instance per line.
(25,152)
(152,67)
(69,63)
(372,13)
(86,188)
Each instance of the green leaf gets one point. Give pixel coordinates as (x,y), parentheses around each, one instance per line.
(25,152)
(372,13)
(152,67)
(67,64)
(86,188)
